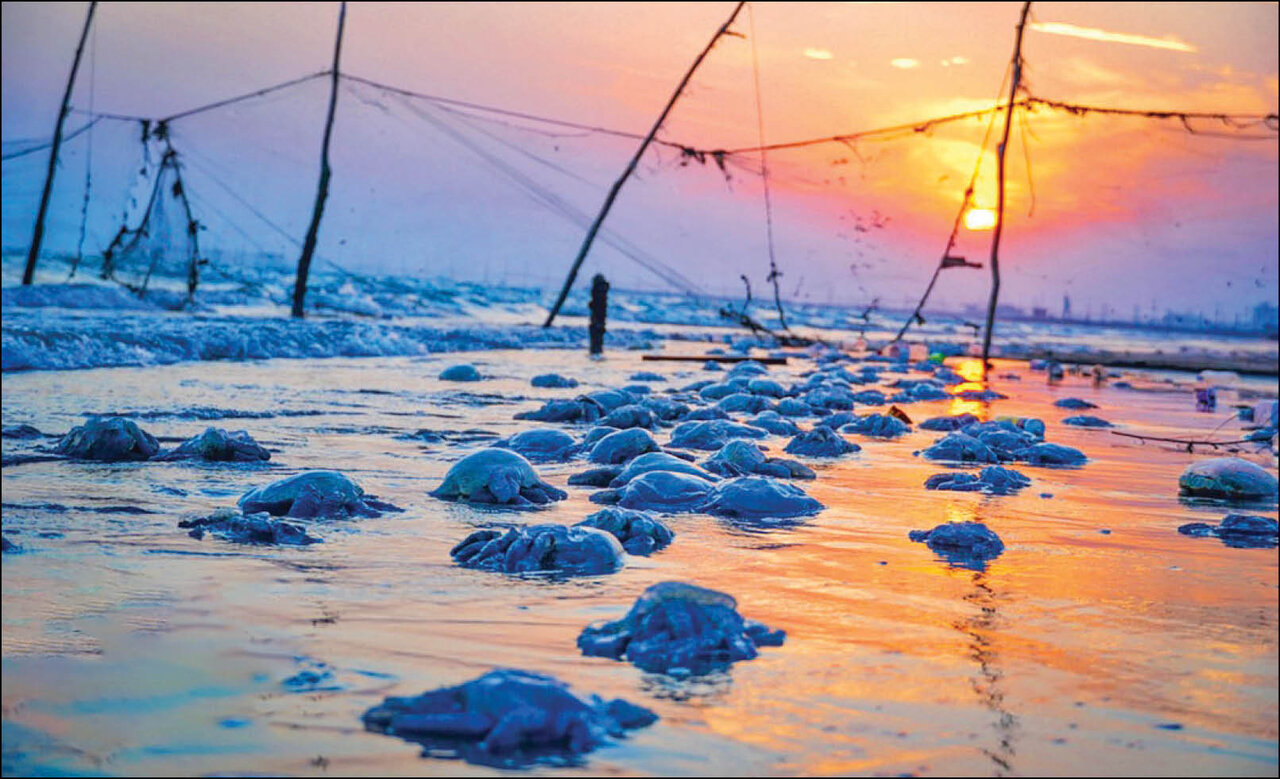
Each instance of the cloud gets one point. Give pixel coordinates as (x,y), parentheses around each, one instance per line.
(1094,34)
(904,62)
(817,54)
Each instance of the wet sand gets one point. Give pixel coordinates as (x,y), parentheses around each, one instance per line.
(130,648)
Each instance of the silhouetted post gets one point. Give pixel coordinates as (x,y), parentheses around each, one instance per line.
(599,311)
(631,166)
(995,239)
(37,238)
(322,191)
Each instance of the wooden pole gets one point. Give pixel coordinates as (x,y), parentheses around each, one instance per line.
(322,189)
(995,239)
(37,238)
(631,166)
(599,313)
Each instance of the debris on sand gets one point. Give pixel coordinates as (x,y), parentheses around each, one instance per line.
(506,718)
(680,629)
(496,476)
(541,548)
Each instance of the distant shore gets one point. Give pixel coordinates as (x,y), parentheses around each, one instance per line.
(1193,361)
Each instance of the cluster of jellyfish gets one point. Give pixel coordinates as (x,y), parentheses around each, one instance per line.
(697,449)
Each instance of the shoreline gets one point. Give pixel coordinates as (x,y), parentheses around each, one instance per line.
(1191,363)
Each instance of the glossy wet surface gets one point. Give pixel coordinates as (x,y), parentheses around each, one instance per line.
(1100,642)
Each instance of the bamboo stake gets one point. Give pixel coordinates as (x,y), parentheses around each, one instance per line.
(37,238)
(631,166)
(322,189)
(995,239)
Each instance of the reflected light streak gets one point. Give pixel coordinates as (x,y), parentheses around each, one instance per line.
(971,370)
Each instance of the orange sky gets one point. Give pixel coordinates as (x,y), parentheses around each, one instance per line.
(1125,211)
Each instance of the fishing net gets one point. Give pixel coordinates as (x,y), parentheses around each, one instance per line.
(159,234)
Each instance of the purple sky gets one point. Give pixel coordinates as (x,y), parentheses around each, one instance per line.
(1115,212)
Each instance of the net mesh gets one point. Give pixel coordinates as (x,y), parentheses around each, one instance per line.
(160,237)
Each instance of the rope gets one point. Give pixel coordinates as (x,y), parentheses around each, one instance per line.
(204,165)
(209,106)
(88,160)
(955,225)
(553,202)
(504,111)
(774,273)
(920,126)
(1235,121)
(1231,120)
(470,120)
(46,144)
(1270,121)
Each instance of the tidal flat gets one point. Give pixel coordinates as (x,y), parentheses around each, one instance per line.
(1099,641)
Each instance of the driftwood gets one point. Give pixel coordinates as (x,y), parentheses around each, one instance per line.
(711,358)
(783,339)
(1191,445)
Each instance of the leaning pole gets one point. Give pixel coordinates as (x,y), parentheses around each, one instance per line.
(37,238)
(631,166)
(322,189)
(995,239)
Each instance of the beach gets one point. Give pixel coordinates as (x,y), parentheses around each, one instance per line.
(1100,641)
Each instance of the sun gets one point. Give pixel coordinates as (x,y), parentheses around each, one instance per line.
(979,219)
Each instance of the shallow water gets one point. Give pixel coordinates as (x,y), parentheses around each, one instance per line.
(130,648)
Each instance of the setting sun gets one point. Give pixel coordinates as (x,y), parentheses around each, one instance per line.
(979,219)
